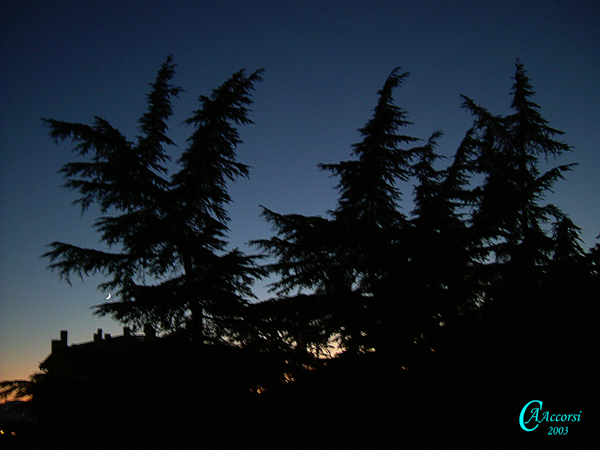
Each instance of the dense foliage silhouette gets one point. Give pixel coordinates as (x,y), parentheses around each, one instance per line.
(170,267)
(444,321)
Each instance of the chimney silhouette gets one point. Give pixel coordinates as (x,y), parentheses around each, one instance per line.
(58,345)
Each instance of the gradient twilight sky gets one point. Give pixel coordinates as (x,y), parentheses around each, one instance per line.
(324,61)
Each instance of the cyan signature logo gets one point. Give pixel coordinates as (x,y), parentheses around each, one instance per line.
(538,416)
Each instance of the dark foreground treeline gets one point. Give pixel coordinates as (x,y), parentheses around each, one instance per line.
(469,392)
(445,321)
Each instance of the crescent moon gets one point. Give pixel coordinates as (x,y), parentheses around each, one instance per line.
(108,298)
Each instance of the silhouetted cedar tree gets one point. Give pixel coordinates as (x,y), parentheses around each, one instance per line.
(568,260)
(525,252)
(440,250)
(170,267)
(509,218)
(346,261)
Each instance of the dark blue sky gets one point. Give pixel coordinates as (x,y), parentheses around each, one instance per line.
(324,61)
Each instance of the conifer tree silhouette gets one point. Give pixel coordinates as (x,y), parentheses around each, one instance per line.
(170,267)
(348,260)
(441,251)
(509,219)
